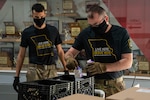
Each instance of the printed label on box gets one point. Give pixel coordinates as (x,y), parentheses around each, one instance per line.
(144,66)
(3,60)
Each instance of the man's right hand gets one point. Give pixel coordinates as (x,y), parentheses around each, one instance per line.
(16,83)
(71,63)
(95,68)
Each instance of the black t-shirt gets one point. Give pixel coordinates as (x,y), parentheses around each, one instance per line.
(41,44)
(104,48)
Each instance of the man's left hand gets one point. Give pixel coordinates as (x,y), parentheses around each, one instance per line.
(95,68)
(16,84)
(71,63)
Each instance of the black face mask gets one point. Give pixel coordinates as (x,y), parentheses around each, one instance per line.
(101,28)
(39,22)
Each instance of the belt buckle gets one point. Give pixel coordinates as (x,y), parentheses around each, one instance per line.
(45,67)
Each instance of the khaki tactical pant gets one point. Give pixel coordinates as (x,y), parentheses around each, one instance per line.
(38,72)
(110,86)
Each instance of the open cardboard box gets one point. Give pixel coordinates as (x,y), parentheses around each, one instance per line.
(81,97)
(134,93)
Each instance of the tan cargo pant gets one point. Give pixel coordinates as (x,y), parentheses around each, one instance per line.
(110,86)
(38,72)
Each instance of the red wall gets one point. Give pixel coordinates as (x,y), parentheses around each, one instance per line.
(134,15)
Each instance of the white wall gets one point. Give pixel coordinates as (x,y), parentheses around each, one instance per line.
(20,11)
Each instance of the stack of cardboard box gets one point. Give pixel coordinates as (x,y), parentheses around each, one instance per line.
(143,64)
(5,60)
(134,93)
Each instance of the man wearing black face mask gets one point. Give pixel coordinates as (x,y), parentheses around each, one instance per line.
(108,48)
(39,22)
(40,38)
(101,28)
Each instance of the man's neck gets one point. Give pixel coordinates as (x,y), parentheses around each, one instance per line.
(43,26)
(108,28)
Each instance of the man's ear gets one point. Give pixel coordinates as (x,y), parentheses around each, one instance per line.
(45,13)
(106,18)
(31,15)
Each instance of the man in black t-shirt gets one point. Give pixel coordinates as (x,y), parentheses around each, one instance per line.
(109,49)
(40,38)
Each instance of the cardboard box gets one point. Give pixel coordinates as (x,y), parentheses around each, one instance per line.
(81,97)
(141,58)
(143,63)
(5,60)
(133,93)
(144,66)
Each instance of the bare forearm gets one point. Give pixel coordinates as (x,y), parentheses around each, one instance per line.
(19,66)
(122,64)
(68,54)
(62,59)
(71,53)
(20,59)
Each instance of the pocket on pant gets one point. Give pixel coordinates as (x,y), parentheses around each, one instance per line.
(52,73)
(32,74)
(120,86)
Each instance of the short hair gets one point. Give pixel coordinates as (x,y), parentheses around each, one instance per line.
(38,7)
(96,9)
